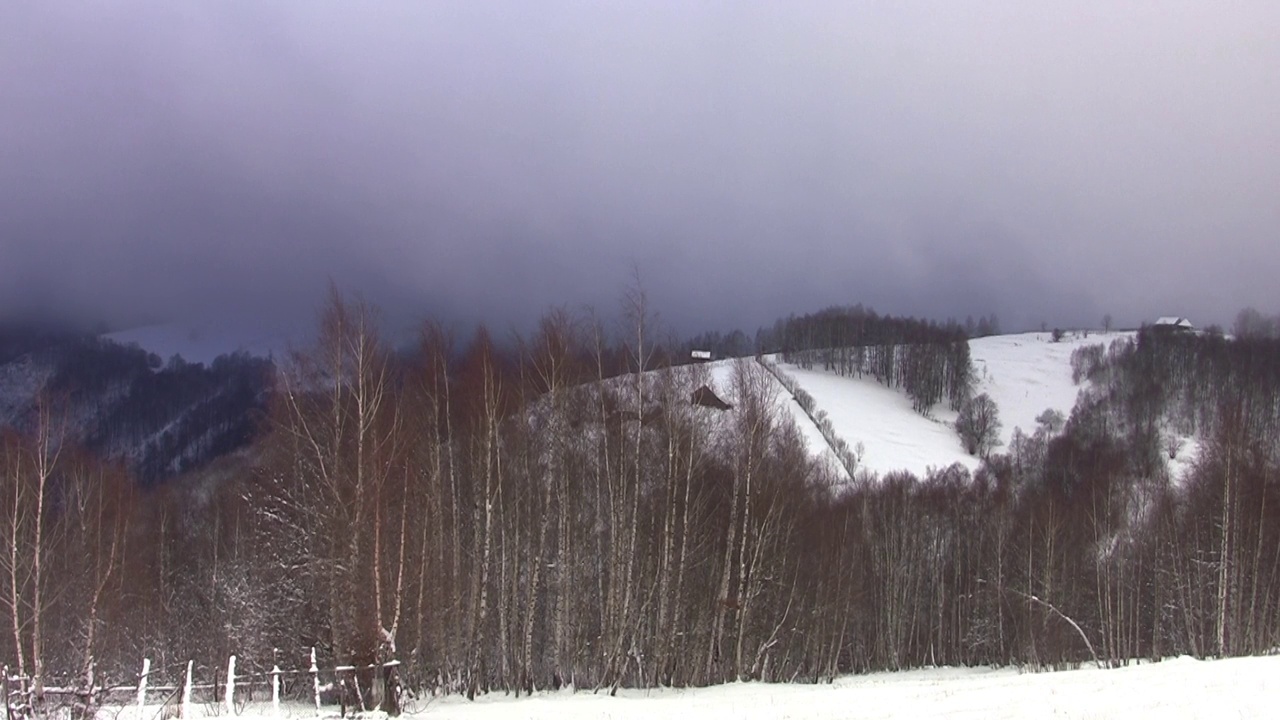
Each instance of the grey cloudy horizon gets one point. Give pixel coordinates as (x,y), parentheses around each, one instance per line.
(484,161)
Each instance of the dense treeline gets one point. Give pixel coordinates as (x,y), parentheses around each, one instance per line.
(518,521)
(1174,384)
(732,344)
(930,362)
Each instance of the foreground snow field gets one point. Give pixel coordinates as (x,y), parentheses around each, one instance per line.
(1181,688)
(1178,688)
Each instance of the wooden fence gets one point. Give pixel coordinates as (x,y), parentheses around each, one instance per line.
(225,695)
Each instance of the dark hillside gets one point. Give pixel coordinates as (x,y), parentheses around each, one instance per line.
(121,402)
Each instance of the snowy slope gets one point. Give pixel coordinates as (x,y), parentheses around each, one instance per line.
(1024,374)
(892,435)
(1028,373)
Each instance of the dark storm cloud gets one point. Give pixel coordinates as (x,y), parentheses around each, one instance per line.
(488,160)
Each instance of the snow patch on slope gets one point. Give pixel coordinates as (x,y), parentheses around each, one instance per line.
(893,435)
(1186,454)
(1028,373)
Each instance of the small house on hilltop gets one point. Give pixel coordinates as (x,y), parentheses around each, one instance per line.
(1174,325)
(706,397)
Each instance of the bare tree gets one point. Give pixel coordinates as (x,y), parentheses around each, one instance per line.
(626,500)
(30,465)
(17,518)
(553,360)
(1050,422)
(344,438)
(98,502)
(1253,325)
(485,394)
(979,425)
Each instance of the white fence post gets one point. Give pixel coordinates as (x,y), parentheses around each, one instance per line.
(315,679)
(186,693)
(142,688)
(355,679)
(275,689)
(231,686)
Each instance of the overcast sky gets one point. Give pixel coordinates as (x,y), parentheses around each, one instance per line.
(1044,161)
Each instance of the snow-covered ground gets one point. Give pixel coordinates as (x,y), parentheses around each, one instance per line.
(1187,452)
(1179,688)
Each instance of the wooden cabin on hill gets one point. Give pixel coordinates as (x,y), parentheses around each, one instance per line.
(706,397)
(1174,325)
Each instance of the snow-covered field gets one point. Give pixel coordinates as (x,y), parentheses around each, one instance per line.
(1179,688)
(1024,374)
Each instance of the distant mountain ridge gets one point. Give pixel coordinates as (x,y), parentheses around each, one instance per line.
(205,341)
(158,417)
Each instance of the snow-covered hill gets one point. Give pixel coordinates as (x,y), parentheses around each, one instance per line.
(1025,374)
